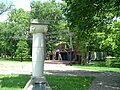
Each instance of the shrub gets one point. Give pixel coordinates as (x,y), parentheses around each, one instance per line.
(100,64)
(109,62)
(97,64)
(22,51)
(113,62)
(117,62)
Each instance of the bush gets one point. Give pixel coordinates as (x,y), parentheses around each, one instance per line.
(97,64)
(22,51)
(117,62)
(100,64)
(113,62)
(109,62)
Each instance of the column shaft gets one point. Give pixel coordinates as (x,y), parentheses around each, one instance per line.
(38,55)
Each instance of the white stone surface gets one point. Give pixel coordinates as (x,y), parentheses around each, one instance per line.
(38,28)
(38,55)
(37,68)
(38,40)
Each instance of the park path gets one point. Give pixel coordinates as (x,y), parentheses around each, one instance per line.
(103,81)
(26,67)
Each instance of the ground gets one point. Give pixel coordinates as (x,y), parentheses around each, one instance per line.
(103,81)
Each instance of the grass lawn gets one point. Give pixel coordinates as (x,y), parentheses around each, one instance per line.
(12,60)
(17,82)
(13,82)
(98,68)
(69,82)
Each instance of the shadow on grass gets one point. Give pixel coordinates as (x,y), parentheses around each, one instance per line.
(17,82)
(14,81)
(69,82)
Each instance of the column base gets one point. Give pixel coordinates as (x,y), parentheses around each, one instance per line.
(37,84)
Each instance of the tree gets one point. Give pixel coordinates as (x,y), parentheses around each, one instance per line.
(6,40)
(4,8)
(86,16)
(111,40)
(52,12)
(13,30)
(22,50)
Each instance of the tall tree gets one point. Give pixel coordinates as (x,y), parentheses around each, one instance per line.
(22,51)
(111,39)
(52,12)
(13,30)
(85,16)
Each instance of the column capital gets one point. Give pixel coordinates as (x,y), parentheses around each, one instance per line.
(38,26)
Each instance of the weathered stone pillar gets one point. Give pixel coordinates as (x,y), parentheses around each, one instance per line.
(38,28)
(37,82)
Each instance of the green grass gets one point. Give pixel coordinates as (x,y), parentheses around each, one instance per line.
(17,82)
(6,60)
(69,82)
(13,82)
(13,60)
(108,69)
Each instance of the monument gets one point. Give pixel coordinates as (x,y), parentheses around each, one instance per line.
(38,28)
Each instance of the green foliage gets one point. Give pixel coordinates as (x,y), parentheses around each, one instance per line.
(22,50)
(110,41)
(18,20)
(107,69)
(2,6)
(12,31)
(109,62)
(52,12)
(113,62)
(20,17)
(46,10)
(88,17)
(99,64)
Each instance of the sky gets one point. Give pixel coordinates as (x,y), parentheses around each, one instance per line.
(25,4)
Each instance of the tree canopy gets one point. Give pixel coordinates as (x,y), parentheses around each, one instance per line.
(12,31)
(94,23)
(52,12)
(86,17)
(4,8)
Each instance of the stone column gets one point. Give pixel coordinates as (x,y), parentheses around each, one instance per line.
(37,82)
(38,28)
